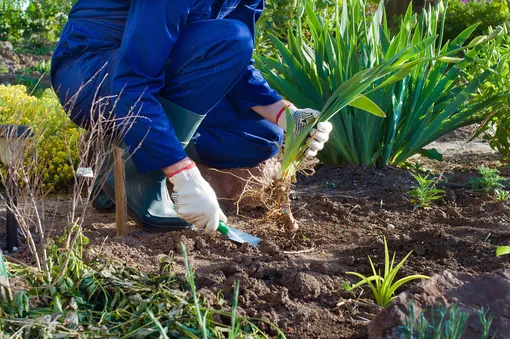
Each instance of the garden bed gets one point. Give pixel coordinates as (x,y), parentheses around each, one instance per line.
(31,70)
(296,280)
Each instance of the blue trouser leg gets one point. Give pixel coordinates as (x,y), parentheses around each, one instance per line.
(206,62)
(228,139)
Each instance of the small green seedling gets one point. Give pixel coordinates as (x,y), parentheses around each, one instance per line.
(445,322)
(383,287)
(502,250)
(486,320)
(502,195)
(491,180)
(425,192)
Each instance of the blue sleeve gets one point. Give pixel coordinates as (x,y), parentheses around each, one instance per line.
(151,31)
(252,89)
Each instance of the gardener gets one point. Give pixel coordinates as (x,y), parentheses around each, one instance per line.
(180,65)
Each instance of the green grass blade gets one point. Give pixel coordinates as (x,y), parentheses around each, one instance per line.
(364,103)
(419,140)
(298,72)
(386,258)
(364,279)
(394,270)
(286,88)
(463,36)
(402,281)
(393,121)
(401,74)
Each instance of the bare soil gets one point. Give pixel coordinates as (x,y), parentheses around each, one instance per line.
(296,279)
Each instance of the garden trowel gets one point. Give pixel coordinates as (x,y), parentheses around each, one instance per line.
(237,235)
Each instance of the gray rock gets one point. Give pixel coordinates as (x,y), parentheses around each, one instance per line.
(488,290)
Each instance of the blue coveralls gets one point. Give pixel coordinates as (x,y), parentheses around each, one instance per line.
(195,53)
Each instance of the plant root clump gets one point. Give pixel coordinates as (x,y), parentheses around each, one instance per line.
(281,199)
(274,196)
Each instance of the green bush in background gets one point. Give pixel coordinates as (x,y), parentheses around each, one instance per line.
(461,15)
(495,55)
(57,153)
(34,23)
(278,15)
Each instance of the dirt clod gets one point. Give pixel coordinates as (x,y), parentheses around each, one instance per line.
(302,285)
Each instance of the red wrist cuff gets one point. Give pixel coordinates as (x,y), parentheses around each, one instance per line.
(281,112)
(188,167)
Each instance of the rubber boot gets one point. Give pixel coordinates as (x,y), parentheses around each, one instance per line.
(148,199)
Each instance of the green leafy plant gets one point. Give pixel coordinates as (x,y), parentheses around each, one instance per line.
(425,192)
(491,179)
(452,322)
(384,287)
(278,16)
(33,23)
(49,123)
(462,14)
(422,100)
(329,185)
(495,55)
(502,250)
(445,323)
(486,320)
(36,50)
(43,66)
(502,195)
(108,299)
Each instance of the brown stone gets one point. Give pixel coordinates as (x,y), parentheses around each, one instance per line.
(8,59)
(488,290)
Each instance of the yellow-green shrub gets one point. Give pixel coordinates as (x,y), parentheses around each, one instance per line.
(57,153)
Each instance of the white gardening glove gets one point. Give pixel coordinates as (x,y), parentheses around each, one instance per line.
(195,199)
(303,117)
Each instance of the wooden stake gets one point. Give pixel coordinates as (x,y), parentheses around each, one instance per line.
(120,191)
(5,287)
